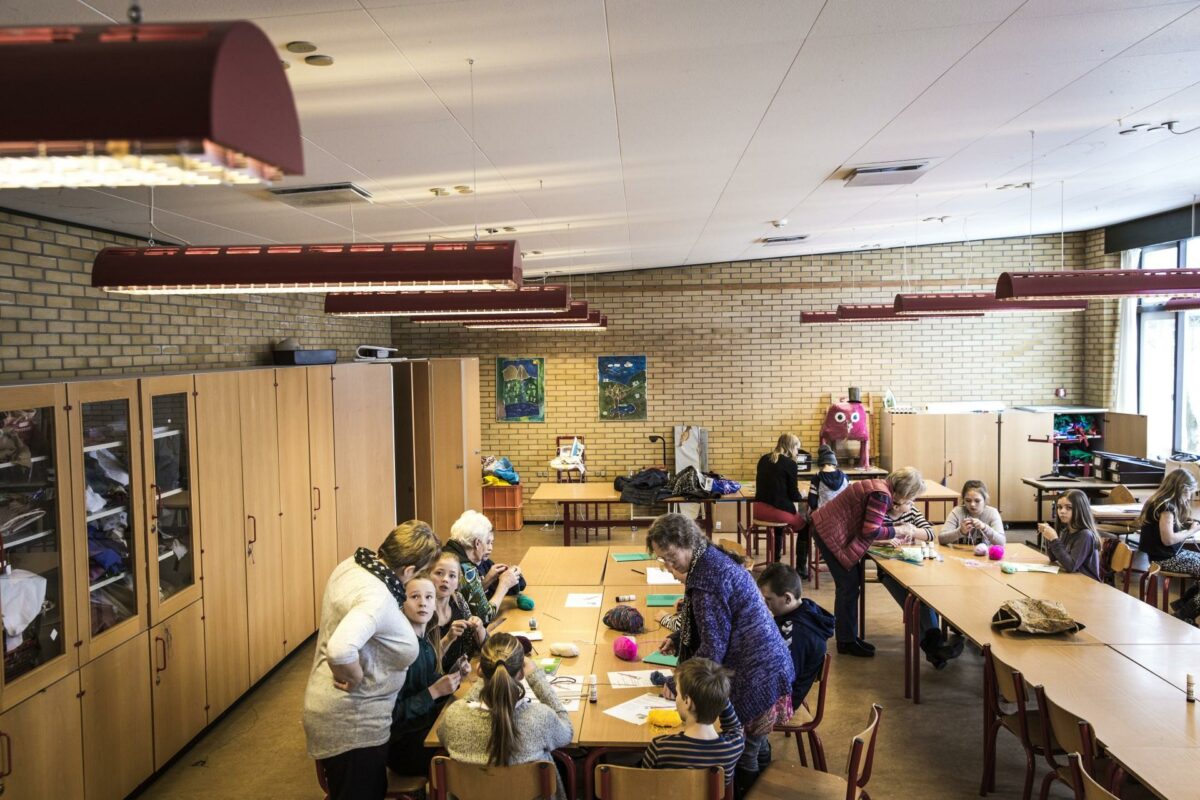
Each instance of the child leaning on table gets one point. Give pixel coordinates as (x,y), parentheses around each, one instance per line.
(1073,541)
(702,697)
(804,625)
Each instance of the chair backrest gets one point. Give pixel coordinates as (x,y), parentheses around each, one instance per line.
(1003,685)
(570,476)
(862,755)
(1122,557)
(818,709)
(1086,787)
(632,783)
(1120,495)
(1062,730)
(536,779)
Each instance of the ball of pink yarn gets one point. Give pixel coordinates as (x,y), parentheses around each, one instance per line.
(625,648)
(981,549)
(996,552)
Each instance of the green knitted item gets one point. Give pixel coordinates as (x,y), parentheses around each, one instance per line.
(524,602)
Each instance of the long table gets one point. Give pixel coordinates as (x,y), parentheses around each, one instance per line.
(1049,488)
(581,504)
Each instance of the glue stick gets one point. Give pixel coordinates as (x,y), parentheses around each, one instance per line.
(1191,688)
(592,697)
(626,598)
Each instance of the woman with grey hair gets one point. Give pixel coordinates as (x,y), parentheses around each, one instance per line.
(471,540)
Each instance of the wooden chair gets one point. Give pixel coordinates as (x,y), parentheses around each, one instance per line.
(400,787)
(1067,733)
(809,728)
(1086,787)
(786,779)
(536,779)
(1006,704)
(570,475)
(633,783)
(1121,563)
(771,532)
(1157,576)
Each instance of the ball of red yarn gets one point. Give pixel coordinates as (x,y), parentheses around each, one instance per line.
(625,648)
(996,552)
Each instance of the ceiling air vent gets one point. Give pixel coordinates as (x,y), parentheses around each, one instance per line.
(777,240)
(322,194)
(887,173)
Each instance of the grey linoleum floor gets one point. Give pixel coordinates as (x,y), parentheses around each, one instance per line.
(933,750)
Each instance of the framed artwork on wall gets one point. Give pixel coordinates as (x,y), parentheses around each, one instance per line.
(521,389)
(621,382)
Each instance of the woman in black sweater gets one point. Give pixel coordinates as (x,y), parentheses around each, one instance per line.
(777,493)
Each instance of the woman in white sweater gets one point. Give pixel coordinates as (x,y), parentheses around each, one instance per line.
(364,648)
(973,521)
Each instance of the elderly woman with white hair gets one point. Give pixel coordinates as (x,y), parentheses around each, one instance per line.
(471,539)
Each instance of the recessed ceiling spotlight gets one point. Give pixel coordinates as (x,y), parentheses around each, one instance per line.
(492,231)
(319,61)
(463,189)
(509,229)
(300,47)
(536,252)
(439,191)
(779,223)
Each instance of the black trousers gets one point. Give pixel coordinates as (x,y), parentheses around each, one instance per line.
(357,774)
(847,583)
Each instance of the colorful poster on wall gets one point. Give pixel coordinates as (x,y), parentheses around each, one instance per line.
(622,385)
(521,389)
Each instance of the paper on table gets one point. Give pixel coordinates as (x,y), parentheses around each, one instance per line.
(579,600)
(633,556)
(632,679)
(656,575)
(533,636)
(636,710)
(658,657)
(662,599)
(567,687)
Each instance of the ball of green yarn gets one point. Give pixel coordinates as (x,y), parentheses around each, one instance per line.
(524,602)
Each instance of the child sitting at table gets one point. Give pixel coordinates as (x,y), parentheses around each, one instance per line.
(702,697)
(829,481)
(424,692)
(804,625)
(454,631)
(1166,523)
(1073,541)
(973,521)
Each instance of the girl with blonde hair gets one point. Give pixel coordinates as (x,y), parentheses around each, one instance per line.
(777,493)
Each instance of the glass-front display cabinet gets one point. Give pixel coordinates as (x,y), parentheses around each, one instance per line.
(168,451)
(37,599)
(106,467)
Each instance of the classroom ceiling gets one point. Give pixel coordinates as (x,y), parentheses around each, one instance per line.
(619,134)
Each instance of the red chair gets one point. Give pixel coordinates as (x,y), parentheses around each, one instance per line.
(788,779)
(400,787)
(810,728)
(1006,705)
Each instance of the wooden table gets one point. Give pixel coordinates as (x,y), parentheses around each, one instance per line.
(1053,487)
(547,566)
(633,573)
(1168,771)
(1171,662)
(581,504)
(556,622)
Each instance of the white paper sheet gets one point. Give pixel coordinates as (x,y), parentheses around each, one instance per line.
(568,687)
(658,575)
(533,636)
(636,710)
(633,679)
(575,600)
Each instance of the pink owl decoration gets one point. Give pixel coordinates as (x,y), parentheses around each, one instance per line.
(848,420)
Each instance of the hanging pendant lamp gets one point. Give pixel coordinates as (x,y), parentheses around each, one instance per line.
(254,269)
(137,105)
(1087,283)
(577,311)
(595,322)
(969,303)
(868,312)
(452,306)
(1182,304)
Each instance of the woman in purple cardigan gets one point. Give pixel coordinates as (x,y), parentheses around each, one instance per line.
(723,618)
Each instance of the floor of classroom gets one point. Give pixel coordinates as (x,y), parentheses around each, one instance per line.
(929,751)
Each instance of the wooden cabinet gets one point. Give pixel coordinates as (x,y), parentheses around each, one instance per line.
(36,541)
(1125,434)
(173,523)
(41,760)
(946,448)
(106,472)
(914,440)
(1022,458)
(296,504)
(973,450)
(438,439)
(321,472)
(364,456)
(260,499)
(177,682)
(118,753)
(223,555)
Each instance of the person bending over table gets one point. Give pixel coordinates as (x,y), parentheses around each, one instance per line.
(1166,523)
(973,521)
(845,528)
(471,539)
(723,618)
(777,493)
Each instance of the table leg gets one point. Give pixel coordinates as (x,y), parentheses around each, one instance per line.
(914,625)
(567,527)
(1039,517)
(908,644)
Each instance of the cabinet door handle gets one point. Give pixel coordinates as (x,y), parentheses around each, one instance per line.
(253,535)
(317,489)
(157,652)
(951,468)
(157,501)
(8,765)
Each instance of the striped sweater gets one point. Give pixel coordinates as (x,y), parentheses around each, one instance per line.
(679,751)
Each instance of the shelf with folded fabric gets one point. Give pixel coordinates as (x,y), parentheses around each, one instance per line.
(34,460)
(93,448)
(100,584)
(108,512)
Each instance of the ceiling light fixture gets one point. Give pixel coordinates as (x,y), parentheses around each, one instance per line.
(971,303)
(137,105)
(595,322)
(528,300)
(1146,127)
(319,60)
(577,311)
(1182,304)
(1098,283)
(254,269)
(300,47)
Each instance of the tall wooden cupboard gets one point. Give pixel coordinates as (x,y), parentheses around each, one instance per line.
(438,440)
(364,456)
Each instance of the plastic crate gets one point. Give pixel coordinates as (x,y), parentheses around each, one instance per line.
(502,497)
(505,519)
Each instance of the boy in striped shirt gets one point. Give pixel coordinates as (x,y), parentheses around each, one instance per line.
(702,698)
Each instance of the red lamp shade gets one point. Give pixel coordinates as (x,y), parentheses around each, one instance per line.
(1182,304)
(595,322)
(869,313)
(1098,283)
(970,303)
(126,105)
(526,301)
(577,311)
(253,269)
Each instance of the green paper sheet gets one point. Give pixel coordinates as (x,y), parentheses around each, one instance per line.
(663,599)
(661,659)
(633,556)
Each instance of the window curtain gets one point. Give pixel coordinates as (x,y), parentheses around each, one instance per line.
(1124,392)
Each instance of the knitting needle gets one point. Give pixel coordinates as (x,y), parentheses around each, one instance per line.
(638,571)
(551,616)
(495,622)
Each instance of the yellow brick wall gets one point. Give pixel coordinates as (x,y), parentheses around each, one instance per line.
(725,350)
(53,324)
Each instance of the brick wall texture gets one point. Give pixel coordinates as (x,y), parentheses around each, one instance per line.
(725,350)
(53,324)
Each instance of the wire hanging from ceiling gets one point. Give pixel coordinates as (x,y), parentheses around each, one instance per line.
(1029,238)
(474,153)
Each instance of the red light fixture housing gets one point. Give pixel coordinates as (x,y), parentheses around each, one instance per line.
(868,312)
(138,105)
(1182,304)
(526,301)
(255,269)
(595,322)
(577,311)
(1097,283)
(970,303)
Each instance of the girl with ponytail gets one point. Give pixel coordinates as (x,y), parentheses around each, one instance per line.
(499,722)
